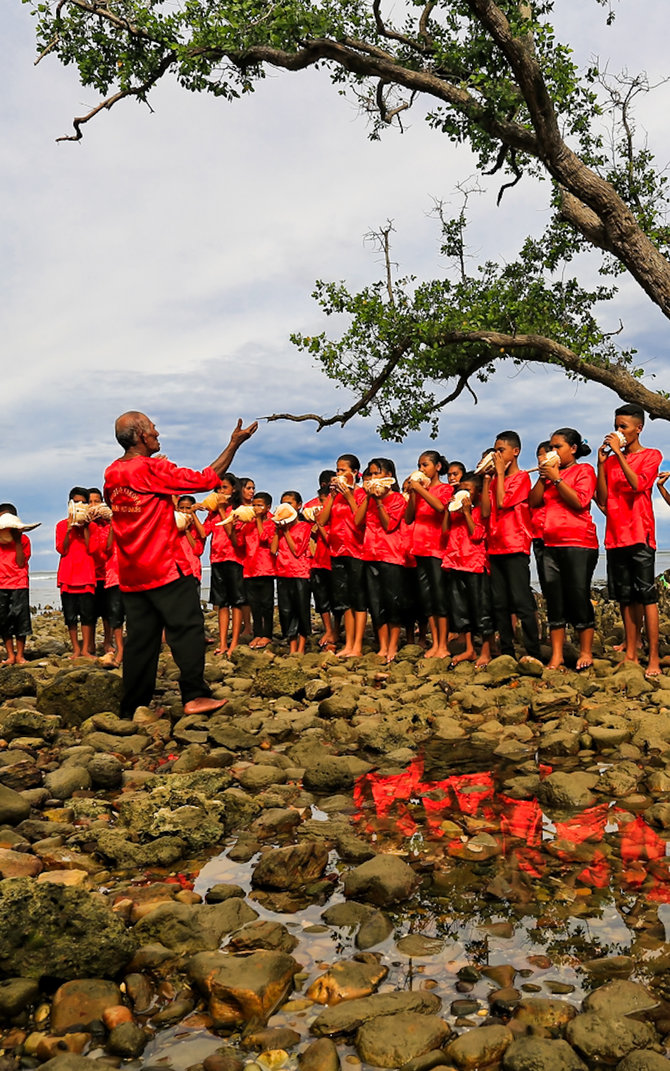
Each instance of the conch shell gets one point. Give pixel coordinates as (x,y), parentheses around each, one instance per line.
(419,477)
(551,458)
(376,485)
(99,512)
(487,463)
(77,512)
(459,500)
(622,440)
(244,513)
(182,520)
(310,513)
(340,483)
(10,520)
(285,514)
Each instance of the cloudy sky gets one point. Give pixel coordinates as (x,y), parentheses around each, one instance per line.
(162,263)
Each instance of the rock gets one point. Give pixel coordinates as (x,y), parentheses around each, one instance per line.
(62,783)
(258,776)
(320,1055)
(480,1047)
(140,992)
(18,723)
(541,1054)
(609,967)
(105,771)
(263,934)
(502,669)
(347,1017)
(18,864)
(69,1061)
(417,944)
(15,995)
(347,979)
(15,682)
(390,1041)
(221,891)
(278,1037)
(13,807)
(127,1040)
(601,1039)
(225,1059)
(373,930)
(569,791)
(193,927)
(331,773)
(241,989)
(543,1013)
(275,821)
(382,880)
(343,704)
(644,1061)
(618,998)
(74,695)
(81,1002)
(273,681)
(291,867)
(59,931)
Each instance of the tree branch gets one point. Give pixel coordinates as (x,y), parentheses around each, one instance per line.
(109,102)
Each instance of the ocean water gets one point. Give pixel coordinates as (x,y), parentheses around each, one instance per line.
(44,593)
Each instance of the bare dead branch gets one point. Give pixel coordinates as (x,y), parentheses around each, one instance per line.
(136,91)
(49,48)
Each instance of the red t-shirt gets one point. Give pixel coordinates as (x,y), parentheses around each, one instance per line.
(537,521)
(140,491)
(100,554)
(257,559)
(427,535)
(566,527)
(76,569)
(510,529)
(630,515)
(346,540)
(12,576)
(406,537)
(380,545)
(464,552)
(222,548)
(193,554)
(321,549)
(288,564)
(112,568)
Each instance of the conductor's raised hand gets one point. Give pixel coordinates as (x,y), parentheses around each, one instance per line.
(240,434)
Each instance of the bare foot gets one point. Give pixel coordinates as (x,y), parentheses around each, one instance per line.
(432,652)
(482,662)
(344,653)
(653,670)
(466,656)
(221,650)
(555,665)
(9,662)
(442,652)
(584,662)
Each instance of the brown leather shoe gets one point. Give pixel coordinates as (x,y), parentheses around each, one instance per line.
(203,705)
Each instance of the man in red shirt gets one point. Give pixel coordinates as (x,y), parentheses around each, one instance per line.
(155,575)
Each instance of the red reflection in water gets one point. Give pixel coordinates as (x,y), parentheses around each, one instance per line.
(404,803)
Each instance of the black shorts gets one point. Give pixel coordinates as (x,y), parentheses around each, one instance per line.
(630,574)
(469,602)
(227,584)
(321,581)
(568,572)
(78,606)
(348,578)
(14,612)
(386,593)
(293,604)
(432,588)
(99,600)
(114,612)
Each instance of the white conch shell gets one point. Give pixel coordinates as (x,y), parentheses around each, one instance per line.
(458,501)
(245,513)
(10,520)
(419,477)
(376,485)
(620,436)
(551,457)
(77,512)
(99,512)
(310,513)
(340,483)
(182,520)
(211,501)
(487,463)
(285,514)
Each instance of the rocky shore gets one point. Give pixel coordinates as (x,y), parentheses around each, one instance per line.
(351,865)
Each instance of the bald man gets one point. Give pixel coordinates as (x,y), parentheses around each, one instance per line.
(155,576)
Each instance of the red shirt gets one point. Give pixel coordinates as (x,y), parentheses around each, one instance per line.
(257,560)
(346,540)
(630,515)
(427,535)
(464,552)
(406,536)
(100,554)
(510,530)
(140,491)
(76,569)
(537,521)
(192,553)
(299,564)
(12,576)
(222,548)
(566,527)
(321,555)
(380,545)
(112,568)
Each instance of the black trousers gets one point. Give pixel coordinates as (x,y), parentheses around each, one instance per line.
(511,593)
(432,588)
(568,572)
(469,602)
(385,583)
(293,603)
(321,582)
(260,592)
(176,608)
(348,580)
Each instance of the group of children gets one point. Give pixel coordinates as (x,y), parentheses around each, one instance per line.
(448,554)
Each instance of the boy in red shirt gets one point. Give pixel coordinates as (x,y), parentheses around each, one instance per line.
(259,569)
(467,578)
(78,543)
(505,506)
(293,562)
(626,474)
(99,521)
(14,598)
